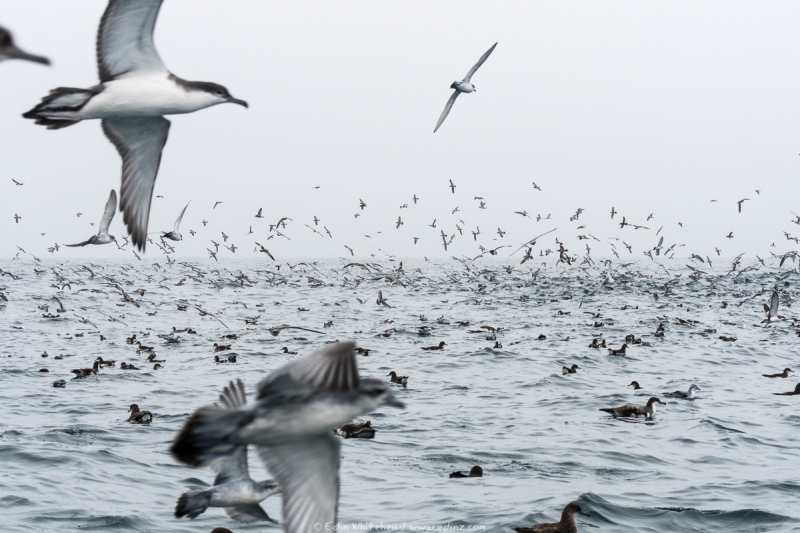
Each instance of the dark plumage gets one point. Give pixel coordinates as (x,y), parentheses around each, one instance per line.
(440,346)
(784,374)
(357,431)
(796,391)
(635,410)
(568,524)
(394,378)
(621,351)
(475,471)
(139,417)
(83,372)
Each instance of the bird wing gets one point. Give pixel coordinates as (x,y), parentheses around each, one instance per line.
(108,214)
(125,39)
(332,368)
(232,467)
(178,221)
(308,473)
(477,65)
(139,142)
(248,514)
(446,111)
(773,305)
(84,243)
(533,240)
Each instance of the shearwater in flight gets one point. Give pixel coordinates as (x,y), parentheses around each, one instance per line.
(135,92)
(102,236)
(463,86)
(175,234)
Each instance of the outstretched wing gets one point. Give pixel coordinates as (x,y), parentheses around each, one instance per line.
(773,305)
(125,39)
(178,221)
(332,368)
(139,142)
(308,473)
(477,65)
(247,514)
(108,214)
(84,243)
(446,111)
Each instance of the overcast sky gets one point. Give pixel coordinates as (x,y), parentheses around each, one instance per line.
(648,107)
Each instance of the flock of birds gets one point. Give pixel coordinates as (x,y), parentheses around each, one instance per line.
(296,406)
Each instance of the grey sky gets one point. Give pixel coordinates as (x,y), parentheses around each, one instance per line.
(654,107)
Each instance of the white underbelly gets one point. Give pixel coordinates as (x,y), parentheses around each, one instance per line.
(143,97)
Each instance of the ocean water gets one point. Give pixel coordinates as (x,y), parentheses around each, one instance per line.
(727,461)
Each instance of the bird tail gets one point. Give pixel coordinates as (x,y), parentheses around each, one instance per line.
(54,110)
(209,434)
(192,503)
(607,410)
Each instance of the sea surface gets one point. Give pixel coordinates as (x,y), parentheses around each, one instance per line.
(728,460)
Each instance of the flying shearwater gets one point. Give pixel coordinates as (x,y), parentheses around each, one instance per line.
(102,236)
(233,489)
(290,424)
(175,235)
(8,50)
(135,92)
(463,86)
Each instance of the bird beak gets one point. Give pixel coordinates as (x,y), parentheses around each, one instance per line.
(394,402)
(15,53)
(233,100)
(584,514)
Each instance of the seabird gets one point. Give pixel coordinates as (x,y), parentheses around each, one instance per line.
(102,236)
(394,378)
(795,392)
(568,524)
(440,346)
(635,410)
(463,86)
(621,351)
(784,374)
(233,489)
(475,471)
(139,417)
(685,395)
(135,92)
(290,424)
(175,235)
(83,372)
(772,309)
(8,50)
(570,369)
(635,385)
(357,431)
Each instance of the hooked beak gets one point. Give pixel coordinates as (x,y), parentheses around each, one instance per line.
(233,100)
(584,514)
(394,402)
(15,53)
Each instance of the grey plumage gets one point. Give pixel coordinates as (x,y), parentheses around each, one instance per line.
(233,488)
(290,424)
